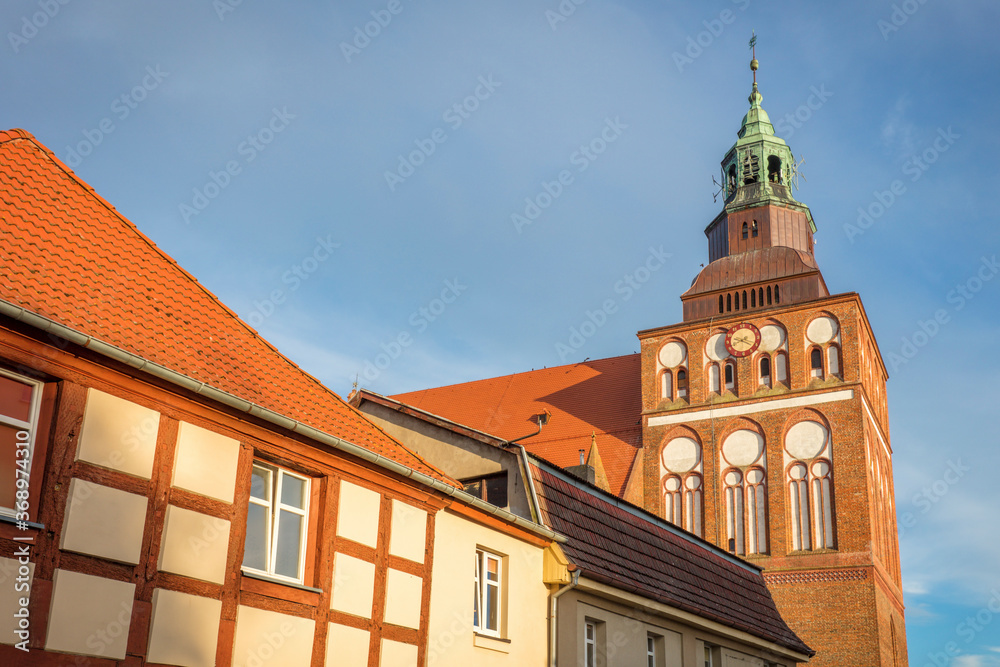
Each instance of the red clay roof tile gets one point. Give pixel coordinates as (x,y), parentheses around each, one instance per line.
(66,254)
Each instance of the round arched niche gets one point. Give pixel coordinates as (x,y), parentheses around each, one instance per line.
(672,354)
(806,440)
(822,330)
(681,455)
(742,448)
(772,337)
(715,348)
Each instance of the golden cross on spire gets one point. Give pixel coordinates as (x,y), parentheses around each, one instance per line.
(753,63)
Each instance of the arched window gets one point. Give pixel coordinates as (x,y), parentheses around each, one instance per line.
(757,511)
(769,295)
(753,229)
(816,363)
(667,385)
(744,299)
(777,295)
(681,468)
(833,359)
(798,501)
(673,506)
(729,302)
(780,367)
(744,233)
(692,504)
(713,378)
(760,296)
(774,169)
(737,300)
(810,485)
(733,482)
(682,383)
(822,504)
(753,298)
(765,371)
(730,376)
(721,304)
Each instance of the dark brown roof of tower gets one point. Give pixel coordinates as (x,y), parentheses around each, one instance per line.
(752,266)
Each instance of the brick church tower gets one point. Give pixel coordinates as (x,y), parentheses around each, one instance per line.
(764,420)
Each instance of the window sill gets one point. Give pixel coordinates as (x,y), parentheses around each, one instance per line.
(262,584)
(491,643)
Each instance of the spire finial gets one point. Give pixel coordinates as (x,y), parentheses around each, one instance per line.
(755,96)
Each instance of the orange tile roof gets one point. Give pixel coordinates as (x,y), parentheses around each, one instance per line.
(66,254)
(600,396)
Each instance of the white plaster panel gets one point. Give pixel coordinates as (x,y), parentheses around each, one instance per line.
(397,654)
(105,522)
(715,348)
(806,440)
(672,354)
(353,585)
(346,646)
(357,514)
(89,615)
(408,532)
(206,462)
(118,434)
(822,330)
(402,599)
(771,337)
(184,629)
(194,545)
(743,447)
(12,592)
(270,638)
(681,455)
(762,406)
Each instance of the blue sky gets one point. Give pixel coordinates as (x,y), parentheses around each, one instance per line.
(252,143)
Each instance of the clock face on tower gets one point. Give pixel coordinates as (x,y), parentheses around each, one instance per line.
(742,339)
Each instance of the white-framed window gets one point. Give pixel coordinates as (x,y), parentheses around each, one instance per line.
(487,613)
(20,400)
(277,523)
(590,644)
(650,651)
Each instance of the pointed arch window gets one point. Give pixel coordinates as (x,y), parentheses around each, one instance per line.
(760,296)
(753,298)
(769,295)
(744,232)
(777,295)
(729,302)
(737,300)
(721,304)
(753,229)
(744,299)
(730,376)
(682,383)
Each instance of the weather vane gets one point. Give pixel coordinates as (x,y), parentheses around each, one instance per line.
(753,49)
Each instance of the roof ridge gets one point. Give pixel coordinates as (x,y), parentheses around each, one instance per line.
(512,375)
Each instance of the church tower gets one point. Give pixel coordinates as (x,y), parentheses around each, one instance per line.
(765,425)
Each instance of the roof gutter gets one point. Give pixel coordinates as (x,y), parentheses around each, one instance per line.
(53,328)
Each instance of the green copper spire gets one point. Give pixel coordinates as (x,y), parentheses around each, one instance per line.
(758,168)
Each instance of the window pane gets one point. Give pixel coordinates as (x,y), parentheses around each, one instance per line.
(293,491)
(15,399)
(496,491)
(289,544)
(260,483)
(8,465)
(474,488)
(492,569)
(255,553)
(492,607)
